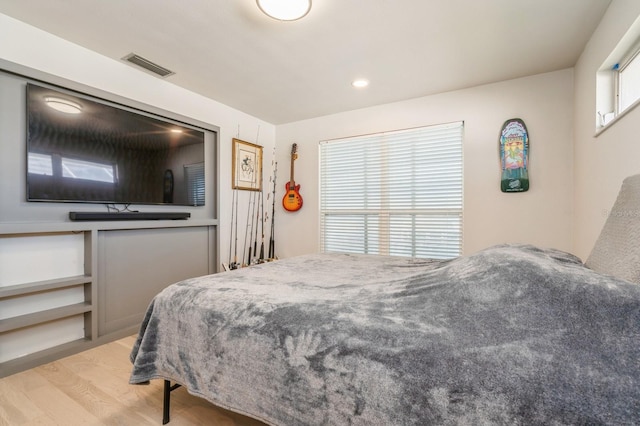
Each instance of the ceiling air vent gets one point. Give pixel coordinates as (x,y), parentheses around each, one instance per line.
(148,65)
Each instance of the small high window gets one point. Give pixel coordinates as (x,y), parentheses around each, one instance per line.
(618,81)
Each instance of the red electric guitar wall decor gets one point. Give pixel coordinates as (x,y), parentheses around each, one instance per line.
(292,200)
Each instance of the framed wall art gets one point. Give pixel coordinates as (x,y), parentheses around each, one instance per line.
(246,166)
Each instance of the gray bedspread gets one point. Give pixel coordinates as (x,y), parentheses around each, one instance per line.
(510,335)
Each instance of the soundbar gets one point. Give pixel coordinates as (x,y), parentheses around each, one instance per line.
(79,216)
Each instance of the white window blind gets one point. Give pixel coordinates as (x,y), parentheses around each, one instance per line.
(194,177)
(393,193)
(629,82)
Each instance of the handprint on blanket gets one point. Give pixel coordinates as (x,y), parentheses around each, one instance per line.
(335,376)
(300,348)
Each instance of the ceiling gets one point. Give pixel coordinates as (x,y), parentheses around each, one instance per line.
(282,72)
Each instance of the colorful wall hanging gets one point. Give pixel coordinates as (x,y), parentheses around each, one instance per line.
(514,156)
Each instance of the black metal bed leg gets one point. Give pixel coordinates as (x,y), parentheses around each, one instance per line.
(166,404)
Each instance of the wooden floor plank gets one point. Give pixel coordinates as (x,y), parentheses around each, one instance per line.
(59,407)
(16,407)
(92,397)
(92,388)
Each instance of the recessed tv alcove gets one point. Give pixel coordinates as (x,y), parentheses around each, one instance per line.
(85,150)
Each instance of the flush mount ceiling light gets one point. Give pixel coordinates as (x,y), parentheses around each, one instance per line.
(285,10)
(63,105)
(360,83)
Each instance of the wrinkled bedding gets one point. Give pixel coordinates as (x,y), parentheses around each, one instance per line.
(513,334)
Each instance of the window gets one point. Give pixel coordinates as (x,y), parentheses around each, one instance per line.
(629,82)
(393,193)
(618,81)
(194,176)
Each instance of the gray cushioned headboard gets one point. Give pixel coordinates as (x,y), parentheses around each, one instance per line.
(617,250)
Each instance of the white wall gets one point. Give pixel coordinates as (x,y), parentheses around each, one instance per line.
(602,162)
(544,215)
(30,47)
(541,216)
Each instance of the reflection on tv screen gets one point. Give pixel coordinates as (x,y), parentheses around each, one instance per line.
(82,149)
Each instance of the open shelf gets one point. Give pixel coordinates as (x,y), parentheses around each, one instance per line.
(47,285)
(28,320)
(113,285)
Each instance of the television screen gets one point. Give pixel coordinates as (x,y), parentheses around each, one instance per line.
(81,149)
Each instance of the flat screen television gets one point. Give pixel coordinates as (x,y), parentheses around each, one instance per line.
(84,150)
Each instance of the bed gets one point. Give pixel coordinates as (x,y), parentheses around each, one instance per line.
(514,334)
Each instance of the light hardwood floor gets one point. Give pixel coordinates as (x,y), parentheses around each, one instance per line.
(92,388)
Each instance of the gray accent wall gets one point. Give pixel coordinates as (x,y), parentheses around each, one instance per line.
(125,263)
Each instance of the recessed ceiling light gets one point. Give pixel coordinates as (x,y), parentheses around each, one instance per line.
(285,10)
(63,105)
(176,130)
(360,83)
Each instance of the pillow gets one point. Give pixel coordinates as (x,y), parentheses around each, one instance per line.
(617,250)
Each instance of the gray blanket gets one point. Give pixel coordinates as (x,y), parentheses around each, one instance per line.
(510,335)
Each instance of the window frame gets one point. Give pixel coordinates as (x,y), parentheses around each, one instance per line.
(608,85)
